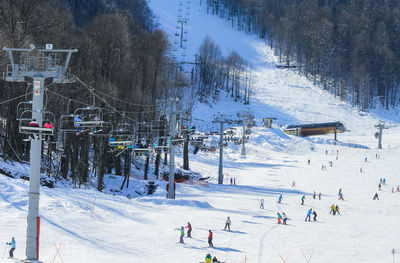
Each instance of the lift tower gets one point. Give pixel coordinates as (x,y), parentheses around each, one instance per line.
(38,65)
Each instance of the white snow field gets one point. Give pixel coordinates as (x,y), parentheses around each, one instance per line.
(101,227)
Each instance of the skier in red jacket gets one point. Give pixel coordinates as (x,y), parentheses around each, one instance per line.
(189,232)
(210,237)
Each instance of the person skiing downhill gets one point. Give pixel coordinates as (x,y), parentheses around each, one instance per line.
(280,199)
(309,215)
(210,238)
(375,197)
(279,217)
(13,247)
(262,204)
(182,229)
(189,232)
(228,224)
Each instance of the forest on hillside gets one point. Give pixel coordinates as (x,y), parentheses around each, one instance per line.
(123,65)
(351,47)
(125,73)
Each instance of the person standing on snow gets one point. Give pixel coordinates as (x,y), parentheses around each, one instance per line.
(262,204)
(314,194)
(333,209)
(319,196)
(13,247)
(182,229)
(189,232)
(208,258)
(302,199)
(228,224)
(315,215)
(379,186)
(337,209)
(279,217)
(284,218)
(309,215)
(210,238)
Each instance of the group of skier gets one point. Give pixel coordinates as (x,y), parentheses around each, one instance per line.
(210,233)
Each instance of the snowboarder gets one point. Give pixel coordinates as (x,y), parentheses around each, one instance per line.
(228,224)
(189,232)
(280,199)
(262,204)
(337,209)
(210,238)
(319,196)
(315,215)
(333,209)
(302,199)
(13,246)
(279,217)
(375,196)
(208,258)
(309,215)
(284,218)
(182,229)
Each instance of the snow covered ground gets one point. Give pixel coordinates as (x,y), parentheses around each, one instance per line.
(101,227)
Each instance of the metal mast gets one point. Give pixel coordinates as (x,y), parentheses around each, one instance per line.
(38,64)
(381,126)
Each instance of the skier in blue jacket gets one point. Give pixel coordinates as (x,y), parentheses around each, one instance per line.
(280,199)
(309,215)
(12,244)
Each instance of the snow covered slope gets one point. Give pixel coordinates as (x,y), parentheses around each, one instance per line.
(101,227)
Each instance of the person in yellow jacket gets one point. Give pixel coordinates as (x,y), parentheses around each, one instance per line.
(208,258)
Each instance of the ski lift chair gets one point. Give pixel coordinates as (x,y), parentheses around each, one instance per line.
(103,130)
(88,117)
(121,140)
(23,106)
(125,128)
(28,126)
(67,123)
